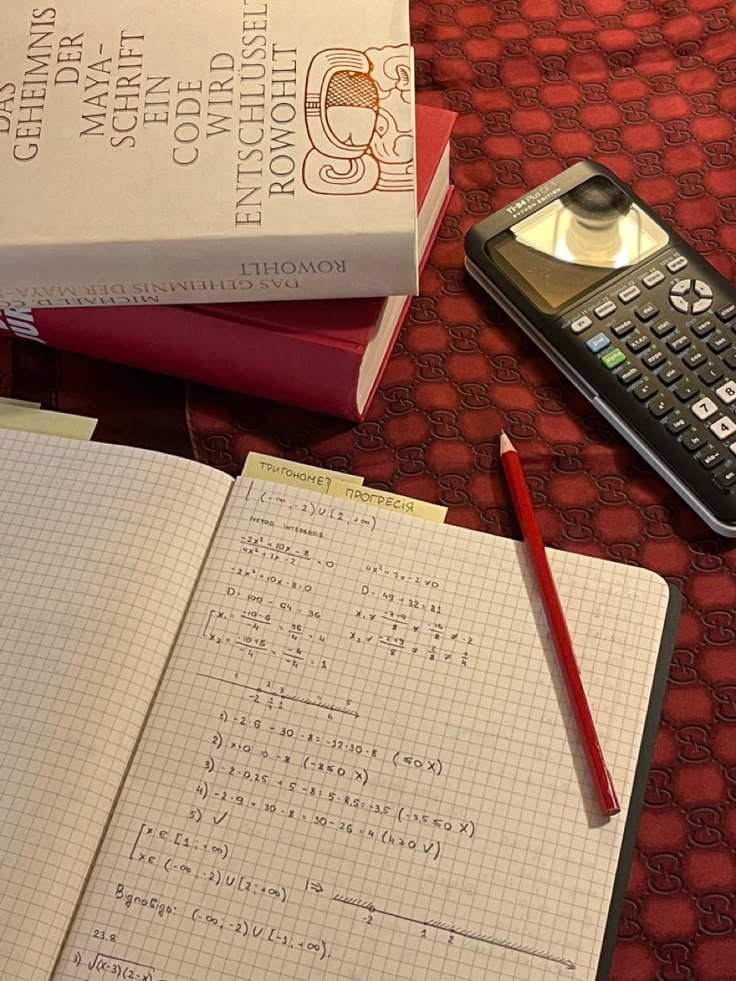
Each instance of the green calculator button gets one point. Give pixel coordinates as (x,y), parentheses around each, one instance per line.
(613,358)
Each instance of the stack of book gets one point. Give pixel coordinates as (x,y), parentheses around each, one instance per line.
(241,196)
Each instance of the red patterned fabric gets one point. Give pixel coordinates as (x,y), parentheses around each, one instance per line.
(647,87)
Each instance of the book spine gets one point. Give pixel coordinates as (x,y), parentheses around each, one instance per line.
(295,369)
(221,270)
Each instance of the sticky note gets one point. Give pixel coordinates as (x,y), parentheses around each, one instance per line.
(345,486)
(390,502)
(20,402)
(29,420)
(260,466)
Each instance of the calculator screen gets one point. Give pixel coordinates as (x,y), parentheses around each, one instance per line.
(575,244)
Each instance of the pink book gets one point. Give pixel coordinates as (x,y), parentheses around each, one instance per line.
(323,355)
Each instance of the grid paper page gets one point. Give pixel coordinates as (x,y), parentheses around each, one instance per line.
(361,766)
(100,547)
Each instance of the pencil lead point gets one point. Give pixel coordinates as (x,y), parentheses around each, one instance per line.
(506,444)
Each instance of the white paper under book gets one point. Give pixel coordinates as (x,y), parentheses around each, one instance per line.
(185,151)
(359,763)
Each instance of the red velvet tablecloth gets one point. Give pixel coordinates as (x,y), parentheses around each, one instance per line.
(647,87)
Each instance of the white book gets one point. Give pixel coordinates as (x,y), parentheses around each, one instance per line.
(254,731)
(186,151)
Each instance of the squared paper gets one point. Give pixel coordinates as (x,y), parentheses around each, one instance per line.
(100,547)
(361,764)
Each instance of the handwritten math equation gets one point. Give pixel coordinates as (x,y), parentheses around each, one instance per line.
(292,641)
(274,609)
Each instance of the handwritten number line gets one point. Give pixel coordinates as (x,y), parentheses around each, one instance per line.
(288,698)
(460,932)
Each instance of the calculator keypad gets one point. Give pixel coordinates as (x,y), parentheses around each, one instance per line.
(691,296)
(669,341)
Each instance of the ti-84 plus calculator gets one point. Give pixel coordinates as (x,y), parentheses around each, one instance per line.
(638,320)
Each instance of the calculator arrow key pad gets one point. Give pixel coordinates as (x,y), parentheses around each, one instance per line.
(700,306)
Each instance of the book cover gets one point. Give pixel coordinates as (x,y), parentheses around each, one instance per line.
(313,354)
(186,152)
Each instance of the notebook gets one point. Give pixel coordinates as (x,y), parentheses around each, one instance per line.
(250,731)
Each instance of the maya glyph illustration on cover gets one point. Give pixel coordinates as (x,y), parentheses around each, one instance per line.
(185,151)
(356,106)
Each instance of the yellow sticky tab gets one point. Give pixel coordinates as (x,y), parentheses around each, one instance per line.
(391,502)
(46,423)
(262,467)
(21,402)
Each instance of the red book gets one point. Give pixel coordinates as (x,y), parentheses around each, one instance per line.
(324,355)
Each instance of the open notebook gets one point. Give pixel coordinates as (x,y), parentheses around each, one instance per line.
(247,731)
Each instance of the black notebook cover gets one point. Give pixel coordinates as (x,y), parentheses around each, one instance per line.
(649,735)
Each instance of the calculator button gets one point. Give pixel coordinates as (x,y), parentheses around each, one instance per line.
(678,341)
(644,390)
(680,304)
(702,289)
(685,391)
(681,288)
(710,457)
(704,408)
(660,406)
(729,359)
(700,306)
(597,343)
(581,324)
(710,374)
(670,373)
(622,329)
(604,310)
(653,358)
(726,479)
(727,392)
(613,358)
(629,374)
(727,313)
(718,342)
(693,441)
(694,358)
(677,421)
(723,427)
(653,278)
(662,328)
(675,265)
(704,328)
(637,342)
(646,312)
(629,294)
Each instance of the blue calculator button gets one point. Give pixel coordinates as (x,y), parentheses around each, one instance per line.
(598,343)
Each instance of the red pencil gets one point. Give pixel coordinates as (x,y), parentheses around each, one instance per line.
(558,627)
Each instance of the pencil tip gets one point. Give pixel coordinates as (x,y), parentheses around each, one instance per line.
(506,444)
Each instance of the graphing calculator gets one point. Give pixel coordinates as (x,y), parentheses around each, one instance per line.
(633,316)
